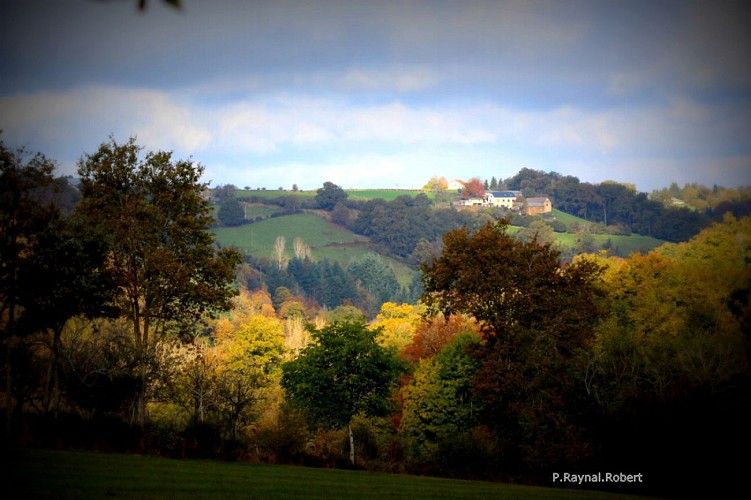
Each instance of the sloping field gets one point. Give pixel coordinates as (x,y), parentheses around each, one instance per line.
(567,218)
(326,240)
(623,245)
(35,473)
(258,239)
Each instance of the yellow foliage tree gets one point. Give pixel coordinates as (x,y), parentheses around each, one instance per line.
(398,323)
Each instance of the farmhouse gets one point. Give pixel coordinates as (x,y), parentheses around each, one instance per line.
(471,202)
(504,199)
(539,205)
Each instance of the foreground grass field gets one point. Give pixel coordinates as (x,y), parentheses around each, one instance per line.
(36,473)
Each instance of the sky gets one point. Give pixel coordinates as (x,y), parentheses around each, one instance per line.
(387,94)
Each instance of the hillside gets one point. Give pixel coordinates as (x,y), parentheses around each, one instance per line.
(325,239)
(622,245)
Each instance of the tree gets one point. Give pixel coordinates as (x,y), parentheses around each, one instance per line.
(342,373)
(329,195)
(340,214)
(231,212)
(279,255)
(224,193)
(438,402)
(474,188)
(433,333)
(161,252)
(376,277)
(537,318)
(249,363)
(398,323)
(66,277)
(24,217)
(436,184)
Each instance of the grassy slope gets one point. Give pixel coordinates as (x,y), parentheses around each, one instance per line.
(67,474)
(325,239)
(625,244)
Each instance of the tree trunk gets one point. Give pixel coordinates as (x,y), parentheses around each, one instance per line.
(351,444)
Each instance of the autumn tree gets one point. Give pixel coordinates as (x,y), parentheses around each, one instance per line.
(434,332)
(671,357)
(474,188)
(398,323)
(342,373)
(249,360)
(536,319)
(162,257)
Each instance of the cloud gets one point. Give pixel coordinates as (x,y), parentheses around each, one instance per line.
(347,139)
(82,118)
(399,80)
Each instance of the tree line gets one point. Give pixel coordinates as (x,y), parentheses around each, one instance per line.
(618,204)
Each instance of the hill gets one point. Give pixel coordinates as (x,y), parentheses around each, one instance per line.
(325,239)
(622,245)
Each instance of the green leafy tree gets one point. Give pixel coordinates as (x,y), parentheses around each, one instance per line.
(438,402)
(161,253)
(329,195)
(231,212)
(342,373)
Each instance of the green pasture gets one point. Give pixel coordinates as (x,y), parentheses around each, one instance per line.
(271,194)
(625,244)
(567,218)
(34,473)
(258,238)
(253,210)
(355,194)
(622,244)
(384,194)
(326,240)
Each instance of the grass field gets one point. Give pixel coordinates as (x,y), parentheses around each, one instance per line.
(325,239)
(355,194)
(273,193)
(567,218)
(258,238)
(625,245)
(253,210)
(384,194)
(33,473)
